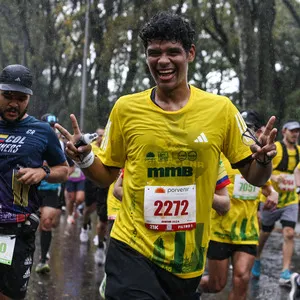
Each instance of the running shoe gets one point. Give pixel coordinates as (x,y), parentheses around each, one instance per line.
(100,256)
(256,268)
(70,220)
(84,235)
(285,277)
(102,287)
(42,268)
(96,240)
(295,290)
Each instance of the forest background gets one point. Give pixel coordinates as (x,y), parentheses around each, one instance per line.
(248,50)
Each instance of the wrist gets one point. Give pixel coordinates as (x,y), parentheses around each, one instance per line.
(87,161)
(265,162)
(298,190)
(47,171)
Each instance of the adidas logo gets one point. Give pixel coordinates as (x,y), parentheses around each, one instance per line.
(28,261)
(18,79)
(201,139)
(27,273)
(24,287)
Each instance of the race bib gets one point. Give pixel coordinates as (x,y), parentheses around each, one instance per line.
(288,183)
(243,189)
(7,246)
(170,208)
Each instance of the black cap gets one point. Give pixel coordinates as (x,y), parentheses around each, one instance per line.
(16,78)
(252,119)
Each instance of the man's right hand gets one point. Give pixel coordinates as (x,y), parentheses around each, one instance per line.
(77,154)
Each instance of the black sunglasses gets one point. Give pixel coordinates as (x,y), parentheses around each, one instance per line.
(249,138)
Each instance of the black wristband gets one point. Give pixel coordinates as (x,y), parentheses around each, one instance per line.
(263,162)
(47,170)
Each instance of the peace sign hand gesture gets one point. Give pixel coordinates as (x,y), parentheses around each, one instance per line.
(266,151)
(76,154)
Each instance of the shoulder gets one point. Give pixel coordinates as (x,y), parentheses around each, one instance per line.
(209,96)
(135,97)
(31,121)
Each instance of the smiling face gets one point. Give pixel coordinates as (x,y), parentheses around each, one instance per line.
(13,105)
(168,63)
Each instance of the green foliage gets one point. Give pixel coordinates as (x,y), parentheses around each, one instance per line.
(48,36)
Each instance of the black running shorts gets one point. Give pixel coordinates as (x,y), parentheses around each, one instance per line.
(14,278)
(221,251)
(130,275)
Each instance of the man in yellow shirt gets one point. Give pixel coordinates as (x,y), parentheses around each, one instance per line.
(168,139)
(283,181)
(235,235)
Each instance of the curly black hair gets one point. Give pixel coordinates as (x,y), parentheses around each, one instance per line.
(167,26)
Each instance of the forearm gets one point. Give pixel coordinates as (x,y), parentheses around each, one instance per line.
(101,174)
(58,173)
(118,192)
(221,204)
(297,176)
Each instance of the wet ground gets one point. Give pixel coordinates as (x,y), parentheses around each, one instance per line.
(74,274)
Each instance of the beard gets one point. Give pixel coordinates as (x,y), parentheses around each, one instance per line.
(21,114)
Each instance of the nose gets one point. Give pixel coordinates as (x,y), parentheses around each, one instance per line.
(13,101)
(164,59)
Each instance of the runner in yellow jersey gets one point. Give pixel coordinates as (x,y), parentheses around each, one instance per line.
(283,179)
(168,139)
(95,199)
(235,235)
(114,198)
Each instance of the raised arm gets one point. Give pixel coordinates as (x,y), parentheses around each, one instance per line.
(83,156)
(259,170)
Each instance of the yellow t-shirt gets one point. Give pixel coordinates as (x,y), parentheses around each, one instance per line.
(113,204)
(176,152)
(95,148)
(240,224)
(287,189)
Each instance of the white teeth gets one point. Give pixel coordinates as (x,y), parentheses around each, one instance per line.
(166,72)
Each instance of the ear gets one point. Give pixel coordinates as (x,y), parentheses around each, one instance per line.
(192,53)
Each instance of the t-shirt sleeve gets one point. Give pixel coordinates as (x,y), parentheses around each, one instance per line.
(234,148)
(223,179)
(112,150)
(54,155)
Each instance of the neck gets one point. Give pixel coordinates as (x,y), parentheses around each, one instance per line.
(172,100)
(288,144)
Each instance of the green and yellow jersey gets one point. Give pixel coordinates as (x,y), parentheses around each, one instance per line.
(287,188)
(113,204)
(240,224)
(171,161)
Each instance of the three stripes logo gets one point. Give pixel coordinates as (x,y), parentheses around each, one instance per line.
(28,261)
(201,139)
(27,274)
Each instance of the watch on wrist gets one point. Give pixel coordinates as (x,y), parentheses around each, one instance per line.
(47,171)
(298,189)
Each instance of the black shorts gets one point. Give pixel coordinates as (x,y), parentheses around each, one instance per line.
(130,275)
(77,186)
(102,211)
(50,198)
(14,278)
(221,251)
(94,193)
